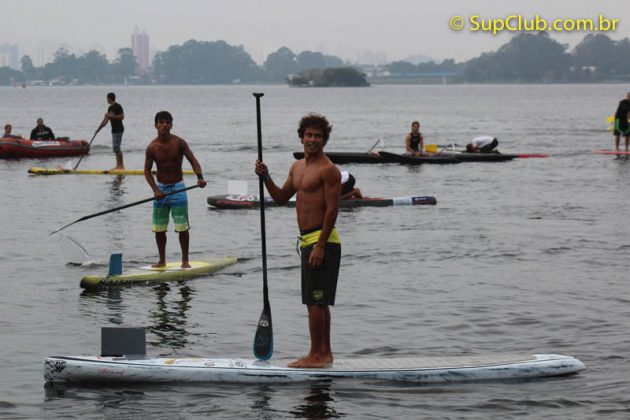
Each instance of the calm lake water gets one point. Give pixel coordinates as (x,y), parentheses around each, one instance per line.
(529,255)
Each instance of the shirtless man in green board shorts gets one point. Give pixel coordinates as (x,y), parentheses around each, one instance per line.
(317,183)
(168,151)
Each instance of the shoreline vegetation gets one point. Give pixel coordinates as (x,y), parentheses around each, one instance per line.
(526,59)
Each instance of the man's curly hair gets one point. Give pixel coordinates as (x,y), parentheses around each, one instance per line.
(316,121)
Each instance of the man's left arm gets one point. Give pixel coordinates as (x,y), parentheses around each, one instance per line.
(118,112)
(195,165)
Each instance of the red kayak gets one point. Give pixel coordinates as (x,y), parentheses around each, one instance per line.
(21,148)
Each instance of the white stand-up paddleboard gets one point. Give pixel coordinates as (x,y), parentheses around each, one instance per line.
(421,370)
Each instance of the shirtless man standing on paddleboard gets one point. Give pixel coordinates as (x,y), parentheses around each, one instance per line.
(168,151)
(317,182)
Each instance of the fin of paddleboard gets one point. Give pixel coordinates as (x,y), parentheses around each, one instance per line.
(115,265)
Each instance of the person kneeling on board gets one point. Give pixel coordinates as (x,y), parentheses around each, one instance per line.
(483,144)
(167,151)
(414,141)
(317,183)
(348,192)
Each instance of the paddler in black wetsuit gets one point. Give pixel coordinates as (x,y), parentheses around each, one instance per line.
(41,132)
(621,122)
(414,142)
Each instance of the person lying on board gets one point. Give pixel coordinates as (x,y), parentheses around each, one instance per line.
(168,151)
(7,132)
(414,141)
(41,132)
(483,144)
(621,122)
(316,182)
(348,192)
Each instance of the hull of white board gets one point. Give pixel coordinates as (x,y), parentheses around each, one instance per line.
(427,370)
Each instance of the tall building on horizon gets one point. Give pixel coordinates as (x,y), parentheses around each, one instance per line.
(9,56)
(140,48)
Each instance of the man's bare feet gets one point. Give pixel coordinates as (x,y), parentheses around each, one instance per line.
(311,362)
(185,264)
(159,264)
(118,168)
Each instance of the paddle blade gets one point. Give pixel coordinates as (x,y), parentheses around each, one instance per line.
(263,340)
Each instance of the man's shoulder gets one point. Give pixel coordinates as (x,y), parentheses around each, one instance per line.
(152,143)
(180,141)
(326,165)
(116,107)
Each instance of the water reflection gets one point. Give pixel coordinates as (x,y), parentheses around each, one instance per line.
(117,192)
(261,406)
(318,403)
(111,298)
(170,318)
(114,397)
(167,320)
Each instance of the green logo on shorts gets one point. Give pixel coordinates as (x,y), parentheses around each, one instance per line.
(318,294)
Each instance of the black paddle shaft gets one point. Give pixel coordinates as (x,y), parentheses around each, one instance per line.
(261,190)
(263,339)
(100,213)
(89,144)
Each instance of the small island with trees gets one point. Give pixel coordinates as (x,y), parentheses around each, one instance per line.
(330,77)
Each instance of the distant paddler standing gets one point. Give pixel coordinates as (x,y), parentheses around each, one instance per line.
(167,151)
(621,127)
(115,115)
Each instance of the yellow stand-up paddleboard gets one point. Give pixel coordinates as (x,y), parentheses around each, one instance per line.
(149,274)
(62,171)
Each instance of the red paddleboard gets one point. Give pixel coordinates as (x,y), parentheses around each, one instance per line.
(610,152)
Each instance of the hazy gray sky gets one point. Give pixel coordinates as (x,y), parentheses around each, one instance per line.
(351,29)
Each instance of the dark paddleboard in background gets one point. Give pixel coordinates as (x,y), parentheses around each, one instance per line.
(234,201)
(380,157)
(412,160)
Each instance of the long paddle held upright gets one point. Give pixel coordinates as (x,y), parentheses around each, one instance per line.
(146,200)
(89,144)
(263,340)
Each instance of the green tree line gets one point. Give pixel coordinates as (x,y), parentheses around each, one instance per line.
(526,58)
